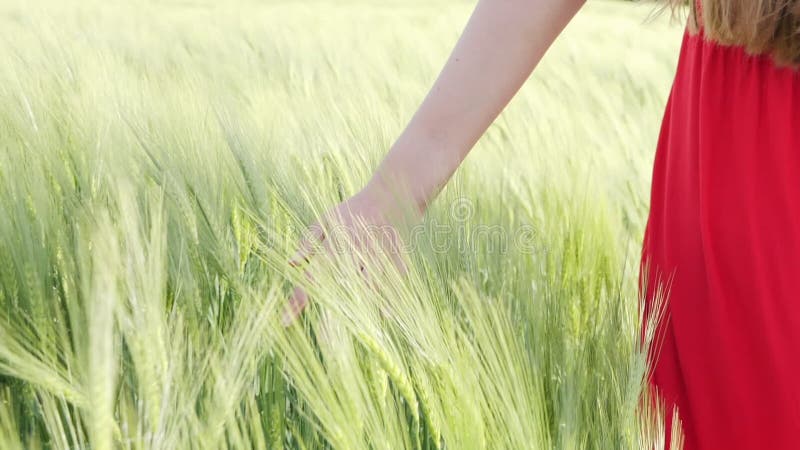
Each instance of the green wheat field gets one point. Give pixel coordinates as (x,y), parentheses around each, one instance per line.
(159,159)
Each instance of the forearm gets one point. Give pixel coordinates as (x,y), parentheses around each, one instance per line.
(501,45)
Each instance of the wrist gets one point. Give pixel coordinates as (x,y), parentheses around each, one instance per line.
(393,196)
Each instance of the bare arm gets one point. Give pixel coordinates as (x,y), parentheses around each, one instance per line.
(502,43)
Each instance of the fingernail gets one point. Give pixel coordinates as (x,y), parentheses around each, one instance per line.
(297,259)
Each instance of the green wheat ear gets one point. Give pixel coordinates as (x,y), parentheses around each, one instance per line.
(426,399)
(393,370)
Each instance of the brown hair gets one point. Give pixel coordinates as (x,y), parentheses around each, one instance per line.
(760,26)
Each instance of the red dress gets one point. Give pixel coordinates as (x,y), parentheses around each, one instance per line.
(724,235)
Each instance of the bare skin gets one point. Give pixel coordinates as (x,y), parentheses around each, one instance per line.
(502,43)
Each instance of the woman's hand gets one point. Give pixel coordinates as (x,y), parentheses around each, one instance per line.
(502,43)
(351,233)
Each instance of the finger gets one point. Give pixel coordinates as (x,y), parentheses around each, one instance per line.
(386,248)
(381,260)
(308,245)
(297,303)
(397,256)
